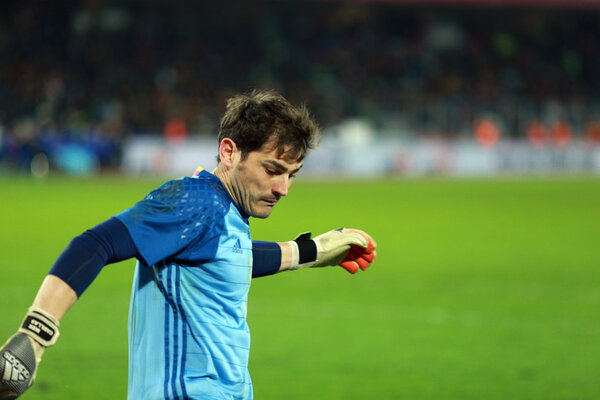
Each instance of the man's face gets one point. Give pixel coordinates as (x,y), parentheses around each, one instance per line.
(259,180)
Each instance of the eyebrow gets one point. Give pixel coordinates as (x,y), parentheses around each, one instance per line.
(282,167)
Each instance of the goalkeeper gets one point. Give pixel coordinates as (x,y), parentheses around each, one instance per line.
(188,336)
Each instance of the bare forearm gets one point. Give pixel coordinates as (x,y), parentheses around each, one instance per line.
(286,256)
(55,297)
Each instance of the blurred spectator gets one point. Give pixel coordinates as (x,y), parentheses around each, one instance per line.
(176,130)
(486,132)
(538,134)
(562,133)
(95,72)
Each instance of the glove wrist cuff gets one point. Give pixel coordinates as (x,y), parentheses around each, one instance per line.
(307,249)
(304,252)
(41,326)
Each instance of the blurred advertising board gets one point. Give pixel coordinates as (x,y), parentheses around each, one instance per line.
(374,156)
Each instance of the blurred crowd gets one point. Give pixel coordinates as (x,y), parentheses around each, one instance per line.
(94,73)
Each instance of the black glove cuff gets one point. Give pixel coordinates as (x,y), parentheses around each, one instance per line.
(307,248)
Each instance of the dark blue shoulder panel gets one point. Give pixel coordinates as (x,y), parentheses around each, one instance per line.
(181,219)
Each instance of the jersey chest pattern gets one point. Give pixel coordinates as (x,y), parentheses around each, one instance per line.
(188,330)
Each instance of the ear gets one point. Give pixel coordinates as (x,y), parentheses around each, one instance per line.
(228,152)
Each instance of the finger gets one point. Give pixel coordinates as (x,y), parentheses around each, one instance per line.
(349,266)
(361,261)
(371,246)
(359,252)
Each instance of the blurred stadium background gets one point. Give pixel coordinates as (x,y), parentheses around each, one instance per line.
(468,136)
(400,87)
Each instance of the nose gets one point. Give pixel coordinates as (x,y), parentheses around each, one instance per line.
(282,185)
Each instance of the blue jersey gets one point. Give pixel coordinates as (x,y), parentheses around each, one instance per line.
(188,336)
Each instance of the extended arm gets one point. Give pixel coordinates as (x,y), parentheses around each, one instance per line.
(72,273)
(80,264)
(352,249)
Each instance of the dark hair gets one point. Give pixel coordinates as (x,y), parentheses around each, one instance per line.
(265,116)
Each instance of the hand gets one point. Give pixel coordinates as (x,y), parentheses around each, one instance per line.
(350,248)
(22,353)
(360,257)
(19,359)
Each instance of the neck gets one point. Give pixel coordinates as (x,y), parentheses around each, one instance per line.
(232,188)
(225,178)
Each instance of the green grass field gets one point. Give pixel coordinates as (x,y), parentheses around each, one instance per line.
(482,289)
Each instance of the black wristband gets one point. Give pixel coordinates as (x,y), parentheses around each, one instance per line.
(307,248)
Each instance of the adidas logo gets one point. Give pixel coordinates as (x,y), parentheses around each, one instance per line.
(14,370)
(237,247)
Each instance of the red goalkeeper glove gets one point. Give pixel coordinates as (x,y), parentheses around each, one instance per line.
(359,257)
